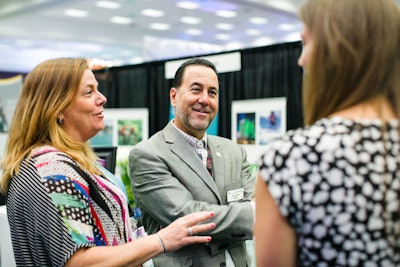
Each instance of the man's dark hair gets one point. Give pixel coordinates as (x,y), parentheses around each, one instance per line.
(194,61)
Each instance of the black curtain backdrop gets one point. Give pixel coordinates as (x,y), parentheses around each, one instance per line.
(266,72)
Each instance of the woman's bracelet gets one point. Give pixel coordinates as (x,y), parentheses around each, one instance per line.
(161,243)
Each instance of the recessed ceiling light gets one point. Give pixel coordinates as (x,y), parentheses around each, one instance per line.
(226,13)
(121,20)
(76,13)
(108,4)
(187,5)
(253,32)
(233,46)
(136,60)
(286,27)
(159,26)
(258,20)
(263,41)
(154,13)
(195,32)
(224,26)
(291,37)
(190,20)
(222,37)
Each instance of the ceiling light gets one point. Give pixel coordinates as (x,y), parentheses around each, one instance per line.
(187,5)
(121,20)
(253,32)
(108,4)
(190,20)
(258,20)
(233,46)
(263,41)
(286,27)
(136,60)
(226,13)
(195,32)
(222,37)
(159,26)
(292,37)
(76,13)
(154,13)
(224,26)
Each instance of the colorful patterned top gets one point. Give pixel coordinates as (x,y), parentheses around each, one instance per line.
(55,207)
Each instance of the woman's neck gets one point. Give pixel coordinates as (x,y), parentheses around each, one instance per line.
(378,108)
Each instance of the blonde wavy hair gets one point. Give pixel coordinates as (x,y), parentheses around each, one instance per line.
(47,91)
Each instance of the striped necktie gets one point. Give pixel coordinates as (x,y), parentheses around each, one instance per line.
(209,162)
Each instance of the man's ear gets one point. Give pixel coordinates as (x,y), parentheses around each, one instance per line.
(172,96)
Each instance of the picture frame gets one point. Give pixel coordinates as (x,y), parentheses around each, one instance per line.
(256,122)
(124,128)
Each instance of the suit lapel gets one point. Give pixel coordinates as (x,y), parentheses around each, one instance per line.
(184,151)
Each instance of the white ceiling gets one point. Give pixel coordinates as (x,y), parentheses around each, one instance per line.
(34,30)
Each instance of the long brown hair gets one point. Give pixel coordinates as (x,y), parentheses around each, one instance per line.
(355,57)
(47,91)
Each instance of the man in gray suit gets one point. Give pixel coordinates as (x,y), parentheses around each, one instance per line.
(181,169)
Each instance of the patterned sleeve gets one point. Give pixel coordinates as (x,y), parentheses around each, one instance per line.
(48,218)
(279,168)
(69,194)
(50,209)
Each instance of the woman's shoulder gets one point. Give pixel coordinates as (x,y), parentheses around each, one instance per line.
(49,157)
(324,126)
(48,151)
(328,131)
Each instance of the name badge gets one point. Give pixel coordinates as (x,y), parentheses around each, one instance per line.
(235,195)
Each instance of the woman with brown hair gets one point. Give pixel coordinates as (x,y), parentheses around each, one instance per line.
(328,194)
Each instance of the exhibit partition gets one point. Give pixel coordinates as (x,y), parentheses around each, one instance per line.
(265,72)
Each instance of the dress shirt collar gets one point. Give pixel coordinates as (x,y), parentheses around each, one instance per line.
(193,141)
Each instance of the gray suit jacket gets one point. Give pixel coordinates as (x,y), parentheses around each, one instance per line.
(169,181)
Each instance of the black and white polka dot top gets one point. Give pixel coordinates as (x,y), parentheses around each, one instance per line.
(339,188)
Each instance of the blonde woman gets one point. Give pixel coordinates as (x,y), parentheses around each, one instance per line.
(63,208)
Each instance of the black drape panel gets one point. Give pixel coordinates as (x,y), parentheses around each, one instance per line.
(138,86)
(158,97)
(132,78)
(266,72)
(6,75)
(124,87)
(229,86)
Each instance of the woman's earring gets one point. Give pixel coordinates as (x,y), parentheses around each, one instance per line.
(60,121)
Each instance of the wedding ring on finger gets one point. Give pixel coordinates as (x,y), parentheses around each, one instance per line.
(190,229)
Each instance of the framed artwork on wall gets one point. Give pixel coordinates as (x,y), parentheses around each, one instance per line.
(255,122)
(124,128)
